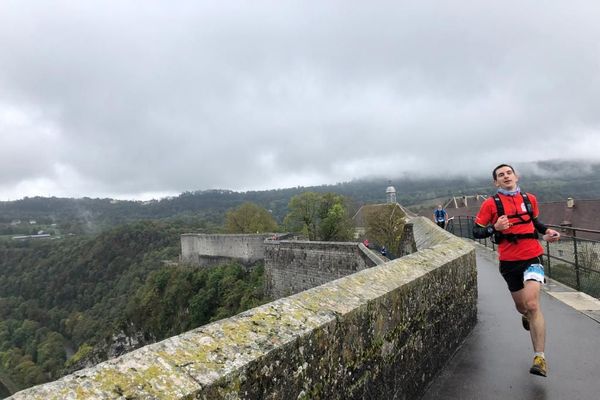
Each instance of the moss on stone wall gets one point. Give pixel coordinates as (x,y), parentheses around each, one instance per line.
(377,334)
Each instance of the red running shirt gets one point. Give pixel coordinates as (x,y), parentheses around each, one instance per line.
(523,249)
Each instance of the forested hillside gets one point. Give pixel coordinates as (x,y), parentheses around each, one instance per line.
(83,294)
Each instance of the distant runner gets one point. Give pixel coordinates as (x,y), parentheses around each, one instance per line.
(510,217)
(440,216)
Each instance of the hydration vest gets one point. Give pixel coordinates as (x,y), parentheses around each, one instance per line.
(439,215)
(514,237)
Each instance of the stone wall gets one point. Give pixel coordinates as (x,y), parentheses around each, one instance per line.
(209,249)
(380,333)
(294,266)
(291,266)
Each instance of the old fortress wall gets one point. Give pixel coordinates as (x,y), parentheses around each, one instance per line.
(294,266)
(374,330)
(214,249)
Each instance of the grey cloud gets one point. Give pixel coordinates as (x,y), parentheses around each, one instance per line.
(181,96)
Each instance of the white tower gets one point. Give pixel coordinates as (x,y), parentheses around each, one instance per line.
(390,194)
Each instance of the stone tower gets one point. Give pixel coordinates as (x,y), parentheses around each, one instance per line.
(390,194)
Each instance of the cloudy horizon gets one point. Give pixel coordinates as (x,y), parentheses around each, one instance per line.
(138,100)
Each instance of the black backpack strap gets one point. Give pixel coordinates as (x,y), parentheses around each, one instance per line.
(514,237)
(527,203)
(499,206)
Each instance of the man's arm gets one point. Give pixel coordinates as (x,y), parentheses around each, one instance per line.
(482,227)
(550,235)
(482,232)
(541,228)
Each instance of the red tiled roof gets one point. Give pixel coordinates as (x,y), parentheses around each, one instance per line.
(585,214)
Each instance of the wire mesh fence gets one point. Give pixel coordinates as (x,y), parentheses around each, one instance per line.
(574,260)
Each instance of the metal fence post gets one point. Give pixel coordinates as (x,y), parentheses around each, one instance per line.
(548,258)
(576,260)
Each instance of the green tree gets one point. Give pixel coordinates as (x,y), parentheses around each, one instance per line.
(303,215)
(51,353)
(319,216)
(249,218)
(385,225)
(335,224)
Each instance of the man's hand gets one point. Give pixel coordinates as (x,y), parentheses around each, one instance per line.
(502,223)
(551,235)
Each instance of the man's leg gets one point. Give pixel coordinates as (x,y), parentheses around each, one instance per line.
(527,301)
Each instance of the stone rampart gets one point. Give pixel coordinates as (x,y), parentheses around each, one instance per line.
(294,266)
(380,333)
(213,249)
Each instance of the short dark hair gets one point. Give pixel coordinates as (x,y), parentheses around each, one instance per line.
(500,166)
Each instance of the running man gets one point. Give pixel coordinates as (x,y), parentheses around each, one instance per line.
(510,217)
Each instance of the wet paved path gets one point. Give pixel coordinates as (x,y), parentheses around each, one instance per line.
(494,361)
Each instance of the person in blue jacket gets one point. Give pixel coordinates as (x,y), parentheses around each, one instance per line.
(440,216)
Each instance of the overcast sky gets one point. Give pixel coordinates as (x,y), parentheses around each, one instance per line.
(142,99)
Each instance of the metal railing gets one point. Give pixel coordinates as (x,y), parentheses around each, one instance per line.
(574,260)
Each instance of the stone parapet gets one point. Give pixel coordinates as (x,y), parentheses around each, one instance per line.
(294,266)
(380,333)
(213,249)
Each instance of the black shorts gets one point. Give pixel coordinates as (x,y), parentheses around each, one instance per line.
(513,272)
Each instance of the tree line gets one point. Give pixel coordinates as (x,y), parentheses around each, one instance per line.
(87,215)
(322,217)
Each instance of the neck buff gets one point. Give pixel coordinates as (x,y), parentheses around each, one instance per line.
(508,192)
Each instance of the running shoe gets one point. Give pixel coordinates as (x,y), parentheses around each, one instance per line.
(539,366)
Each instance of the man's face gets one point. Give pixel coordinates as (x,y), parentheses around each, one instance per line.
(506,178)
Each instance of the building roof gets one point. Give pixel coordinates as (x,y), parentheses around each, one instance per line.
(583,214)
(464,206)
(363,211)
(465,201)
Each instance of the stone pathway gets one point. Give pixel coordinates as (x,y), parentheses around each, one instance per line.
(494,361)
